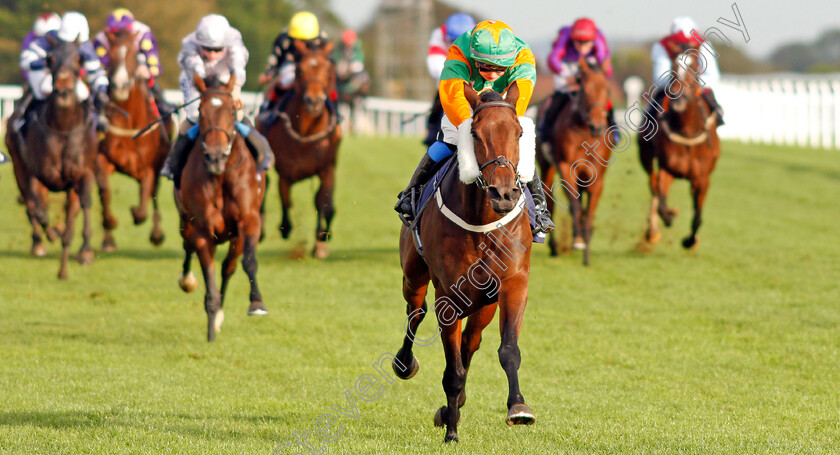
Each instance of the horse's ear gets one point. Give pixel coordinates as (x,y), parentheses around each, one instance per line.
(512,95)
(328,48)
(199,83)
(472,96)
(231,83)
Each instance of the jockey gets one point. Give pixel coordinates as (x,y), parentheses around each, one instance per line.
(668,48)
(46,22)
(303,27)
(213,49)
(349,58)
(488,57)
(583,38)
(148,60)
(439,42)
(74,27)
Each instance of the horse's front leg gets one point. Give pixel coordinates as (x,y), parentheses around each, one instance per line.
(454,377)
(326,211)
(206,249)
(285,187)
(71,209)
(251,229)
(698,192)
(85,190)
(103,170)
(512,300)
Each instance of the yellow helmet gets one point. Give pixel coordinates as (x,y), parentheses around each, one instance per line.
(304,25)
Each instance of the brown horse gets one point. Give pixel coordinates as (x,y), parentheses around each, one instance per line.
(684,146)
(580,154)
(60,153)
(477,263)
(220,201)
(132,108)
(305,140)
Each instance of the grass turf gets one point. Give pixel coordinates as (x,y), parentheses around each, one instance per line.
(732,348)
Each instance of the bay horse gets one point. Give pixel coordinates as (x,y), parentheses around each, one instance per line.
(60,156)
(479,262)
(305,139)
(685,145)
(131,109)
(219,201)
(582,121)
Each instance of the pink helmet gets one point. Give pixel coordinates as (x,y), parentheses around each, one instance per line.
(45,23)
(584,29)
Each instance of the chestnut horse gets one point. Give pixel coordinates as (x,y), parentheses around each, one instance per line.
(220,201)
(685,145)
(477,252)
(60,155)
(132,108)
(581,167)
(305,140)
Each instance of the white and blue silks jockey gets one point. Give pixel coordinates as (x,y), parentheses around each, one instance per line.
(214,49)
(74,27)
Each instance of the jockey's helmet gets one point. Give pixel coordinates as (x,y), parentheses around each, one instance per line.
(212,31)
(74,26)
(120,19)
(457,24)
(584,29)
(493,42)
(46,22)
(348,37)
(304,26)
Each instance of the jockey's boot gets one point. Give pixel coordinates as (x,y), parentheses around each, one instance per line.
(713,104)
(164,107)
(542,215)
(177,158)
(411,193)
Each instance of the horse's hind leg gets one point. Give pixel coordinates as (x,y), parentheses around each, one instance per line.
(664,185)
(326,211)
(471,340)
(286,203)
(85,190)
(698,193)
(251,229)
(103,171)
(512,300)
(157,236)
(71,208)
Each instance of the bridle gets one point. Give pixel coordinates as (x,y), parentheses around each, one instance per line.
(499,161)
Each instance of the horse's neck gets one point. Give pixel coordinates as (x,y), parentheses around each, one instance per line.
(64,118)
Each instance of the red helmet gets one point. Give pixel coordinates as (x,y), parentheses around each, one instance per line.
(584,29)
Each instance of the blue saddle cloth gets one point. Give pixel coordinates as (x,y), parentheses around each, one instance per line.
(434,183)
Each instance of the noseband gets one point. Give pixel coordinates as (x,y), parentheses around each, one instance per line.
(499,161)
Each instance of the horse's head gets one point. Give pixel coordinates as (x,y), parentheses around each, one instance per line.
(592,97)
(495,138)
(315,76)
(684,64)
(123,63)
(216,121)
(65,64)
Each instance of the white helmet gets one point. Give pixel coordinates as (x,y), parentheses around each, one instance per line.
(212,31)
(683,24)
(46,22)
(74,25)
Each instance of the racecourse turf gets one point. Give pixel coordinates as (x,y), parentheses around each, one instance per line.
(731,348)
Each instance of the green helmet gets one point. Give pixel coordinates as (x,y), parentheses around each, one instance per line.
(493,42)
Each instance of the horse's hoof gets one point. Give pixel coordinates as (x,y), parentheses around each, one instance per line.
(690,243)
(578,244)
(520,414)
(138,214)
(412,369)
(85,257)
(321,250)
(157,237)
(39,250)
(188,283)
(257,309)
(220,318)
